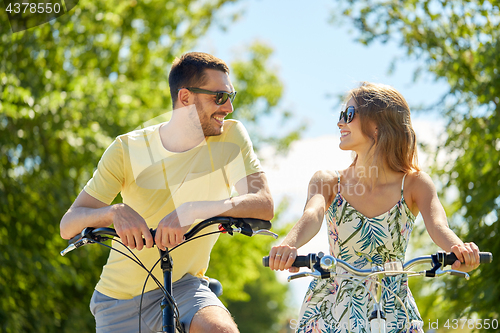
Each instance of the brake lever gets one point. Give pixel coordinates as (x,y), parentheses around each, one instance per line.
(439,271)
(69,248)
(247,231)
(266,232)
(76,245)
(314,274)
(455,273)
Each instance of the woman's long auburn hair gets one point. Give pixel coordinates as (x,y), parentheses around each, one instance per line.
(395,142)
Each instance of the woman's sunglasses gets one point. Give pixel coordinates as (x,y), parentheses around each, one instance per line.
(347,114)
(221,97)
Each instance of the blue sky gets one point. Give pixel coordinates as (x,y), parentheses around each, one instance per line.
(316,58)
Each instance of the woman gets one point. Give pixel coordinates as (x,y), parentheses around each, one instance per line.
(370,210)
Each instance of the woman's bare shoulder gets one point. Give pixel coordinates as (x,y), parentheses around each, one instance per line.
(324,176)
(418,179)
(418,185)
(324,182)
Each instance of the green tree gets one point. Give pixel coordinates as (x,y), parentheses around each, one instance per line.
(251,292)
(67,88)
(457,41)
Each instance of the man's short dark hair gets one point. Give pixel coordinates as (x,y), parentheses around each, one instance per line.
(189,71)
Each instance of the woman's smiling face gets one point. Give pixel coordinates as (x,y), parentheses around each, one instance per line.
(351,135)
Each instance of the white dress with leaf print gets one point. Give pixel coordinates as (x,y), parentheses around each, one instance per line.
(332,305)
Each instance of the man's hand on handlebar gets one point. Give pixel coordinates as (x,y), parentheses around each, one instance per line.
(281,257)
(131,227)
(467,255)
(171,229)
(244,226)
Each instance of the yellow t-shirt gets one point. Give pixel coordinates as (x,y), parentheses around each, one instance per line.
(154,181)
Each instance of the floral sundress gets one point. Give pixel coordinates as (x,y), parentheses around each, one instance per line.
(340,304)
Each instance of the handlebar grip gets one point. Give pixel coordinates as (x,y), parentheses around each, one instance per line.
(304,261)
(214,220)
(484,258)
(300,261)
(75,239)
(153,234)
(85,232)
(265,261)
(256,224)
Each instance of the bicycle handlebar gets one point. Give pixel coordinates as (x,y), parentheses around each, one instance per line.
(246,226)
(442,257)
(329,262)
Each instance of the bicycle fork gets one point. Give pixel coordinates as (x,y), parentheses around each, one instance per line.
(377,316)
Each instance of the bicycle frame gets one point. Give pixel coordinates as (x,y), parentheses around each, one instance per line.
(168,320)
(246,226)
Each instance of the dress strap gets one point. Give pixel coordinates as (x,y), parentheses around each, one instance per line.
(403,185)
(338,181)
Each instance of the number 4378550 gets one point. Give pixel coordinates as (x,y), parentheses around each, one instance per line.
(471,323)
(33,8)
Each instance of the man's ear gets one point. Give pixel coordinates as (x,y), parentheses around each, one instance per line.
(183,97)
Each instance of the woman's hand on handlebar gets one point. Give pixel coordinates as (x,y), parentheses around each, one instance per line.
(468,257)
(131,227)
(281,257)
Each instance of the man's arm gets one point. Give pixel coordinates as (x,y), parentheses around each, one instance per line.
(87,211)
(256,202)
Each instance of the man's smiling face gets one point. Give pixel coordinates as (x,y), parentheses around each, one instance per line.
(210,114)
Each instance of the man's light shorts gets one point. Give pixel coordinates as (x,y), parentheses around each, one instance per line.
(122,316)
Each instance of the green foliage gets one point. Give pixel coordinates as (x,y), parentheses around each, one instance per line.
(251,292)
(459,42)
(265,311)
(430,302)
(67,88)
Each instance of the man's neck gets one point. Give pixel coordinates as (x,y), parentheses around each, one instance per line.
(181,134)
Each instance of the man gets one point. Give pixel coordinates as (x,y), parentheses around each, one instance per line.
(170,176)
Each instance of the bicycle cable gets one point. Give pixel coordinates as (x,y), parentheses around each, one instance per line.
(361,282)
(135,259)
(170,298)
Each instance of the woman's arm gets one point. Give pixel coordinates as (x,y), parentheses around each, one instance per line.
(320,191)
(424,195)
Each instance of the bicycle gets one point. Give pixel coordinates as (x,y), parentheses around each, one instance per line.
(324,267)
(170,313)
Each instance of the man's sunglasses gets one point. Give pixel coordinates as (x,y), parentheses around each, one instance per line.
(221,97)
(347,114)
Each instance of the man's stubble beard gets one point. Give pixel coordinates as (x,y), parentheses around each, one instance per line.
(206,121)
